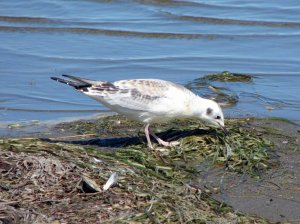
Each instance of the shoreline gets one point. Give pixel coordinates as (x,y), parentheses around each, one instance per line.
(99,147)
(34,127)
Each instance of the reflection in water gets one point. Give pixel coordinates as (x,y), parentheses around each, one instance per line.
(175,40)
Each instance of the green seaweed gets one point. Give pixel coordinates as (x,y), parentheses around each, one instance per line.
(228,77)
(249,151)
(153,185)
(224,96)
(278,119)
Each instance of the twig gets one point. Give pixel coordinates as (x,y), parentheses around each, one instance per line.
(73,136)
(9,202)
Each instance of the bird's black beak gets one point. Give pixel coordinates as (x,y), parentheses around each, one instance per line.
(226,132)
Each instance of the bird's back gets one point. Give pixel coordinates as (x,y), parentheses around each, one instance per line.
(143,99)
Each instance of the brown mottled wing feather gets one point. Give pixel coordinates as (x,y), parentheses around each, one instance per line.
(142,95)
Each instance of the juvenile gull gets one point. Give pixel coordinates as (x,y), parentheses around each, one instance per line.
(148,101)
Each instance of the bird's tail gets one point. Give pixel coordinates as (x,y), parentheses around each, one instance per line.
(76,82)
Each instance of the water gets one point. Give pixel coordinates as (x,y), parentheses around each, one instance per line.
(174,40)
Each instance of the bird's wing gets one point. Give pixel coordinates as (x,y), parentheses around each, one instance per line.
(141,94)
(154,96)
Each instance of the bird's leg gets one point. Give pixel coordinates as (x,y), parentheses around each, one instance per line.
(148,136)
(162,142)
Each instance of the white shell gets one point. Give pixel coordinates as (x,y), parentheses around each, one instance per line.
(111,181)
(228,151)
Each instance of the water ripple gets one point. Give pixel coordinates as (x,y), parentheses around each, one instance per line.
(233,21)
(109,32)
(52,111)
(81,30)
(11,96)
(212,20)
(26,19)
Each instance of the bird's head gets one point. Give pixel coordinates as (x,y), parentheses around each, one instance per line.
(213,115)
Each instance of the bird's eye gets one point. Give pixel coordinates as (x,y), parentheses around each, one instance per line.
(218,117)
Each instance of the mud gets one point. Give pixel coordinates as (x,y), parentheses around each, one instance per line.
(275,195)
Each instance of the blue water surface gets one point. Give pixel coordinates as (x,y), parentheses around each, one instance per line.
(174,40)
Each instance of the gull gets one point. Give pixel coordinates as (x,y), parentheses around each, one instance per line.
(149,101)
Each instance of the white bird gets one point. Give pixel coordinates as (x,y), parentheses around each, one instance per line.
(148,101)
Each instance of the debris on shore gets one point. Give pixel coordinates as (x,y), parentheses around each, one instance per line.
(60,180)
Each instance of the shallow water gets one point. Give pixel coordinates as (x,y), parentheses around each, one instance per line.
(174,40)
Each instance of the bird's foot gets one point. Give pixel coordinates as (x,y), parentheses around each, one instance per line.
(165,144)
(150,146)
(174,143)
(168,144)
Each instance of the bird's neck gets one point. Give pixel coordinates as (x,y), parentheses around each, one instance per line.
(198,106)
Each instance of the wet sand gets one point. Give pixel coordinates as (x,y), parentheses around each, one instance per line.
(276,194)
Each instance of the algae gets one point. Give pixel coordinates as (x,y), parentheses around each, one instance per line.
(23,124)
(249,152)
(209,87)
(278,119)
(41,177)
(228,77)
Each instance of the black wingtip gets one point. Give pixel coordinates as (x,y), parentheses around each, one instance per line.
(62,80)
(74,78)
(77,85)
(54,78)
